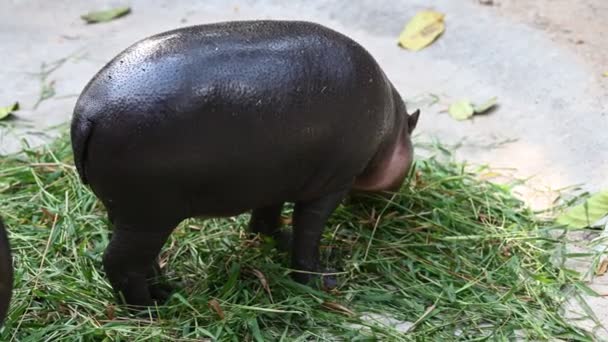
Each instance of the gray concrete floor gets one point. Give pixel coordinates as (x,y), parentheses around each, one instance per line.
(543,59)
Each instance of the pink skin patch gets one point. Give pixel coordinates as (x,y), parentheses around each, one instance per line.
(388,173)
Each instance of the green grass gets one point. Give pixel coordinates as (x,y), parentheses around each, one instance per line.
(460,257)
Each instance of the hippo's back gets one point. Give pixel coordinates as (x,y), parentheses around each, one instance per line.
(239,106)
(268,62)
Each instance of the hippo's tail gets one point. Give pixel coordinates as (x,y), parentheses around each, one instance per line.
(6,273)
(80,133)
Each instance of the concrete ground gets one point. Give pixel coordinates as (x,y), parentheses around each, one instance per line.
(543,59)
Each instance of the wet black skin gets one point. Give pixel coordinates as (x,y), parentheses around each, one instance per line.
(216,120)
(6,273)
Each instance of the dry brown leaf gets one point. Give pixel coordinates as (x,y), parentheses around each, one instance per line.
(215,306)
(262,278)
(339,308)
(63,309)
(286,220)
(110,309)
(253,242)
(602,268)
(418,182)
(47,214)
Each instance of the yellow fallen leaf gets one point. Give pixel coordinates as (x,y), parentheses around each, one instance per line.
(606,74)
(8,110)
(422,30)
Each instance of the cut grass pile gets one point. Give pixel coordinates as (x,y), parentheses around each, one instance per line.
(455,256)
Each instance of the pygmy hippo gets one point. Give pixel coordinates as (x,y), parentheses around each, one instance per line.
(215,120)
(6,273)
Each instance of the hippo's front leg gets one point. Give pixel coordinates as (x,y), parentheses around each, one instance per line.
(310,218)
(130,264)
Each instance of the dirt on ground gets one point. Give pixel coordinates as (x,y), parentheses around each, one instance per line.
(580,26)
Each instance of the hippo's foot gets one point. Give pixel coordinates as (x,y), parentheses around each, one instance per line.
(130,264)
(160,292)
(325,280)
(309,220)
(160,289)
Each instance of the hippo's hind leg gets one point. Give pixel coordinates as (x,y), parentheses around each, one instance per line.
(267,221)
(310,218)
(131,266)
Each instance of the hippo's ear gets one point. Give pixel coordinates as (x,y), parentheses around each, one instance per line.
(412,120)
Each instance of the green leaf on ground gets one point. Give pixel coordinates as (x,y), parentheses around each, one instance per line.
(422,30)
(255,330)
(587,213)
(484,107)
(105,16)
(8,110)
(461,110)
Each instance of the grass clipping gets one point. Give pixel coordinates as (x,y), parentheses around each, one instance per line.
(450,257)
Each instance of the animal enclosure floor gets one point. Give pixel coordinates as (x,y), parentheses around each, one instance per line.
(543,59)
